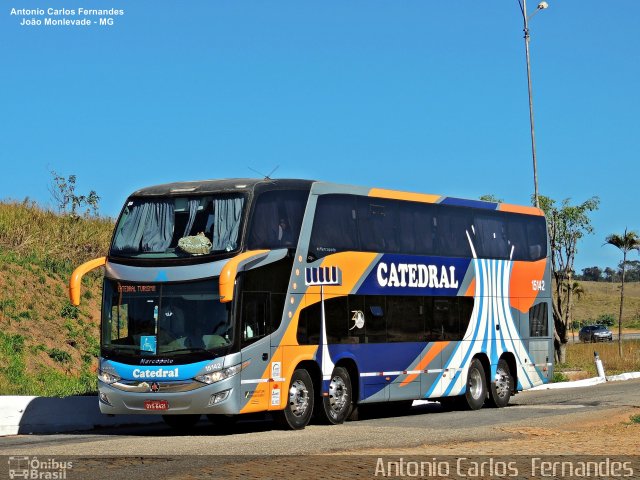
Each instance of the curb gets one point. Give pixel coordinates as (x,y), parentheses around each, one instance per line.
(24,415)
(588,382)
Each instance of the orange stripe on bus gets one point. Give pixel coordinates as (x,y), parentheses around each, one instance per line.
(431,354)
(353,266)
(522,288)
(507,207)
(412,197)
(471,291)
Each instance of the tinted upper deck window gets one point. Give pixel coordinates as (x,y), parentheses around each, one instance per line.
(277,218)
(359,223)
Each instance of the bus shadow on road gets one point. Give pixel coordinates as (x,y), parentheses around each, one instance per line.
(257,423)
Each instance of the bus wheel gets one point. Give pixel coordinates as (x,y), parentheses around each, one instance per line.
(500,389)
(337,406)
(476,386)
(181,422)
(297,412)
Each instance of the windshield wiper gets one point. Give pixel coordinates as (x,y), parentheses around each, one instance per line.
(120,351)
(188,349)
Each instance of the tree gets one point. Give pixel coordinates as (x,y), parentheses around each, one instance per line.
(491,198)
(591,274)
(632,270)
(625,242)
(610,274)
(578,292)
(567,224)
(63,192)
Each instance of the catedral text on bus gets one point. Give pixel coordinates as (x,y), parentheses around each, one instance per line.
(309,299)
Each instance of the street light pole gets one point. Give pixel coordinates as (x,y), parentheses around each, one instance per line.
(526,18)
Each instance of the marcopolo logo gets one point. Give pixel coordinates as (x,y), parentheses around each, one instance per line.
(416,275)
(147,373)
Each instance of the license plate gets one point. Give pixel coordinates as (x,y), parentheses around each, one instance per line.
(156,405)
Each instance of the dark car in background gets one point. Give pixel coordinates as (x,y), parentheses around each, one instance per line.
(595,333)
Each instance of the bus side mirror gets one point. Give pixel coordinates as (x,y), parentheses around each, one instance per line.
(75,283)
(230,271)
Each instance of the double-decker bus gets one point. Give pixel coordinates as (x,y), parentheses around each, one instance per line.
(308,298)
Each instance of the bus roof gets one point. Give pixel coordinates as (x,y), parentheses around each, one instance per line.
(250,184)
(217,186)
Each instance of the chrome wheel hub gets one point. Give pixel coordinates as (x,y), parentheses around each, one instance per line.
(298,398)
(475,384)
(338,395)
(502,383)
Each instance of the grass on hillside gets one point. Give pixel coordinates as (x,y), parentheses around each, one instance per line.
(47,346)
(31,235)
(580,357)
(602,298)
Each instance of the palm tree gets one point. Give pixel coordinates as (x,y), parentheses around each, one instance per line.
(627,242)
(577,292)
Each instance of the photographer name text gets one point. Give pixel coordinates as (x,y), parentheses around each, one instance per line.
(493,468)
(66,17)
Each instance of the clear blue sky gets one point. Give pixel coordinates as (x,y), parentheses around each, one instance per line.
(414,95)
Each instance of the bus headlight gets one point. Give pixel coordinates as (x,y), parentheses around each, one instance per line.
(107,377)
(214,377)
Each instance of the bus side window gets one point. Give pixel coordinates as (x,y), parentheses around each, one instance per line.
(405,319)
(309,325)
(376,322)
(433,322)
(538,321)
(334,226)
(444,317)
(255,316)
(277,219)
(537,238)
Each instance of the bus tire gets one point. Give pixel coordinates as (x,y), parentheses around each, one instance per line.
(181,422)
(476,391)
(338,405)
(300,400)
(501,387)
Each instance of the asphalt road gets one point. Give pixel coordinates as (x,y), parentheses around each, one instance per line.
(424,424)
(254,448)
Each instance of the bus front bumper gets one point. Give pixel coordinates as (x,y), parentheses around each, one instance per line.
(170,398)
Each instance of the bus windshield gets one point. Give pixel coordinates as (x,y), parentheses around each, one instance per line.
(167,227)
(147,320)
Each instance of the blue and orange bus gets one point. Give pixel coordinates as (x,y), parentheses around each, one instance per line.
(305,298)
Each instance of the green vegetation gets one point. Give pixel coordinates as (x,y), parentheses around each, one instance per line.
(635,323)
(625,243)
(559,377)
(32,237)
(566,224)
(580,357)
(635,418)
(59,356)
(601,302)
(48,346)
